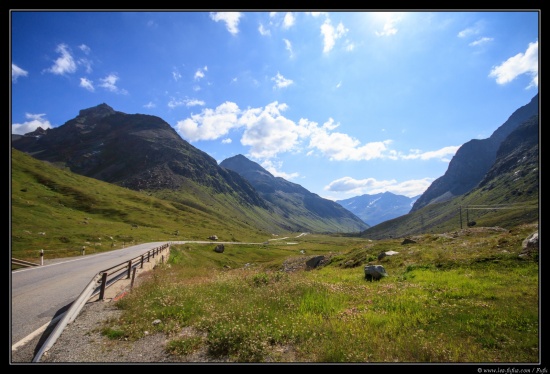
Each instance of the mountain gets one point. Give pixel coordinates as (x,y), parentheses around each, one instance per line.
(144,153)
(473,159)
(374,209)
(298,205)
(506,196)
(136,151)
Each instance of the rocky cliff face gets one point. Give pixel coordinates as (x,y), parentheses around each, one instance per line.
(473,160)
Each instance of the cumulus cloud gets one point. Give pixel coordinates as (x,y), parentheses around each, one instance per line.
(227,141)
(87,84)
(288,20)
(209,124)
(34,121)
(371,186)
(109,83)
(331,34)
(281,82)
(231,20)
(522,63)
(267,133)
(17,72)
(64,63)
(150,105)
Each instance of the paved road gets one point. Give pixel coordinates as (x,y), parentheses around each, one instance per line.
(39,294)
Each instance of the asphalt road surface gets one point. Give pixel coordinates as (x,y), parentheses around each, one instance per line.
(40,294)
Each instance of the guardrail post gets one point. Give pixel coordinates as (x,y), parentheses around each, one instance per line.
(129,267)
(148,255)
(162,259)
(141,262)
(133,277)
(103,285)
(41,257)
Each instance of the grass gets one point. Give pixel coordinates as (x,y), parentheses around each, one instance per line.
(467,299)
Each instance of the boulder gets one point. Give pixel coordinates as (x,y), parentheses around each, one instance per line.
(530,246)
(375,272)
(219,248)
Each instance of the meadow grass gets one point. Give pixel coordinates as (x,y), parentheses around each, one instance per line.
(467,299)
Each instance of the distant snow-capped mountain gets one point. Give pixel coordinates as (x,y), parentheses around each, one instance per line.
(375,209)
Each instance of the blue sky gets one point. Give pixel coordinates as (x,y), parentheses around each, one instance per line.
(342,103)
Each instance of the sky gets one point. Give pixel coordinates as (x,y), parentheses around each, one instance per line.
(341,103)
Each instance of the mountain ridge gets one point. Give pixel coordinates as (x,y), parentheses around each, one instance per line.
(377,208)
(473,159)
(291,199)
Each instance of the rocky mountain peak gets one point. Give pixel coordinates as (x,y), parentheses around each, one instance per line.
(97,112)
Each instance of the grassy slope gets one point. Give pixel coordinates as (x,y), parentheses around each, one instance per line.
(457,298)
(518,197)
(59,211)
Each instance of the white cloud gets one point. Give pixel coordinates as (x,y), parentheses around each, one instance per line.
(173,103)
(331,34)
(480,41)
(35,121)
(289,20)
(522,63)
(281,82)
(468,32)
(87,84)
(270,166)
(209,124)
(231,20)
(84,48)
(227,141)
(86,63)
(443,154)
(199,74)
(17,72)
(263,31)
(150,105)
(176,74)
(65,63)
(268,133)
(371,186)
(389,20)
(288,46)
(109,83)
(316,14)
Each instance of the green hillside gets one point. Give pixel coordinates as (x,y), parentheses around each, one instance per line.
(60,212)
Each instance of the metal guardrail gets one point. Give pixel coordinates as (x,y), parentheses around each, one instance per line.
(97,285)
(23,262)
